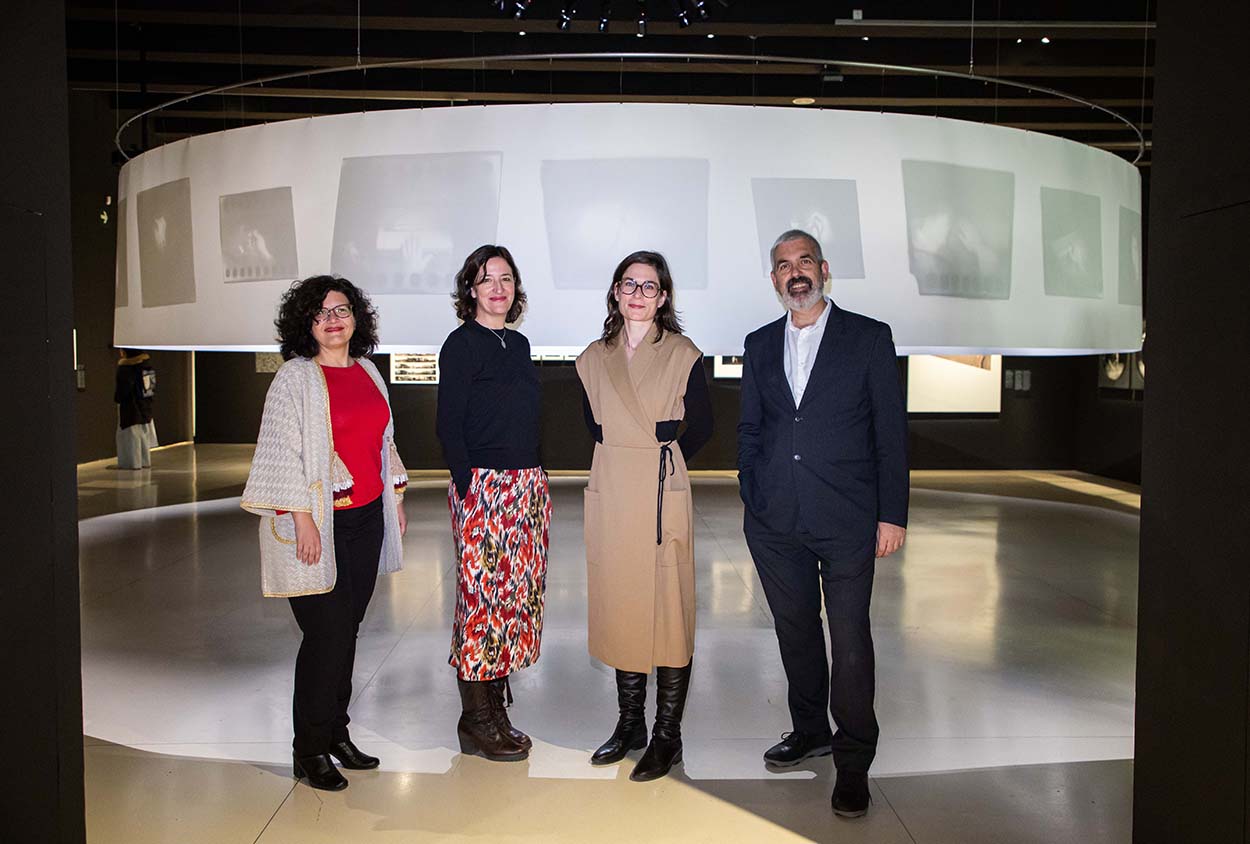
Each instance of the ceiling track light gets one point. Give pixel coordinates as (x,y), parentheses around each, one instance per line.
(522,6)
(683,17)
(605,14)
(642,19)
(567,10)
(700,8)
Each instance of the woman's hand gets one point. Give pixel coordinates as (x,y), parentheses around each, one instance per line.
(307,539)
(403,517)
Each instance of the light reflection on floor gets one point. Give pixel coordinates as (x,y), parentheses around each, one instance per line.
(1005,646)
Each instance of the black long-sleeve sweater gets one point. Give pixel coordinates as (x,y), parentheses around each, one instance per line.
(489,401)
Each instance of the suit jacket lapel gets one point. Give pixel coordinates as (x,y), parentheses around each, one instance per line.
(826,355)
(773,361)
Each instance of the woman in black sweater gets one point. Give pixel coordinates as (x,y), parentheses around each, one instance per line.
(488,412)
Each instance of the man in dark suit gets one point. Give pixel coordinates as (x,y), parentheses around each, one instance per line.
(822,469)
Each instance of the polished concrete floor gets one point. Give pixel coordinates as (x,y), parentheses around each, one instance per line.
(1005,647)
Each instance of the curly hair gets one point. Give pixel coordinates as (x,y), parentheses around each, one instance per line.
(666,318)
(466,279)
(302,301)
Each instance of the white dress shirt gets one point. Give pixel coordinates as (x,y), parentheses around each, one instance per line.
(801,347)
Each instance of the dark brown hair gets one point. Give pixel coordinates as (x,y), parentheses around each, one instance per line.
(462,296)
(666,318)
(302,301)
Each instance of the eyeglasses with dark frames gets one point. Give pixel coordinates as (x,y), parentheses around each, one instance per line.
(650,289)
(340,311)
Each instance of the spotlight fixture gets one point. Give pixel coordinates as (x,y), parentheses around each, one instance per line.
(567,10)
(1045,39)
(522,6)
(1019,40)
(605,14)
(500,5)
(642,19)
(683,17)
(711,35)
(865,38)
(700,8)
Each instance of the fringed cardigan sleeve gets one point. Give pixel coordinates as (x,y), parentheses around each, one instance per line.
(278,480)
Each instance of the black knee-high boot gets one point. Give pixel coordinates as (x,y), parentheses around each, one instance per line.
(670,700)
(631,727)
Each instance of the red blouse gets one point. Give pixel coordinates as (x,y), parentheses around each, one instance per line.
(358,417)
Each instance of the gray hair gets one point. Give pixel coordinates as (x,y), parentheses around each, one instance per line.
(794,234)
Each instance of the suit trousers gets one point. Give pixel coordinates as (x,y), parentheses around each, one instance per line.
(795,570)
(329,622)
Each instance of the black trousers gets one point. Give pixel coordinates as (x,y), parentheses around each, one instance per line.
(323,669)
(795,570)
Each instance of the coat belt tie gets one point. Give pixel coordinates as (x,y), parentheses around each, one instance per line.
(666,451)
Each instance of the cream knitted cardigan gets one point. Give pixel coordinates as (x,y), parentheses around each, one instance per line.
(295,469)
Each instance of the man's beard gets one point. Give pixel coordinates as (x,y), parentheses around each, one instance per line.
(805,300)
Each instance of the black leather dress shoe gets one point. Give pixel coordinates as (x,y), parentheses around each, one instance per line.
(795,747)
(320,772)
(850,795)
(351,757)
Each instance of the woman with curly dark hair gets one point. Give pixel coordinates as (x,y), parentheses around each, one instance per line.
(328,483)
(488,409)
(640,381)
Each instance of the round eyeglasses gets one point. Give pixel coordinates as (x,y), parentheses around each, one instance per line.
(650,289)
(340,311)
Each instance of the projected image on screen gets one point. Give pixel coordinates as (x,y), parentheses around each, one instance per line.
(121,296)
(258,235)
(166,259)
(1130,257)
(600,210)
(827,209)
(1071,244)
(959,229)
(404,223)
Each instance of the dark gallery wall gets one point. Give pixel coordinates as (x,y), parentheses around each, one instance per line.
(1062,422)
(42,798)
(1192,747)
(93,176)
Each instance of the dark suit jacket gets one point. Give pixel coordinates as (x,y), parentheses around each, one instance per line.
(837,464)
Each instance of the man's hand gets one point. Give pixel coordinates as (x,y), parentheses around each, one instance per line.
(307,539)
(889,538)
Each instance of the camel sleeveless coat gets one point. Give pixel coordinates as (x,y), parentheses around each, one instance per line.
(641,594)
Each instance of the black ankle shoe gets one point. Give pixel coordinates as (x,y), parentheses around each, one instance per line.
(319,771)
(850,795)
(351,757)
(795,747)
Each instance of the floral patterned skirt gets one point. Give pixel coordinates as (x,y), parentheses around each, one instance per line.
(500,530)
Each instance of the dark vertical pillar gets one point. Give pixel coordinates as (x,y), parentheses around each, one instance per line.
(1193,660)
(41,707)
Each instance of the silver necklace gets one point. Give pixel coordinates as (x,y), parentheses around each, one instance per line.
(500,335)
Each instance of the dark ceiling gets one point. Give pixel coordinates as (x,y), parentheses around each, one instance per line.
(143,52)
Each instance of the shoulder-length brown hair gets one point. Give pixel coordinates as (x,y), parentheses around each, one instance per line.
(462,296)
(666,318)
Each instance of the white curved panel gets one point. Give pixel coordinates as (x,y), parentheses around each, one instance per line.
(964,237)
